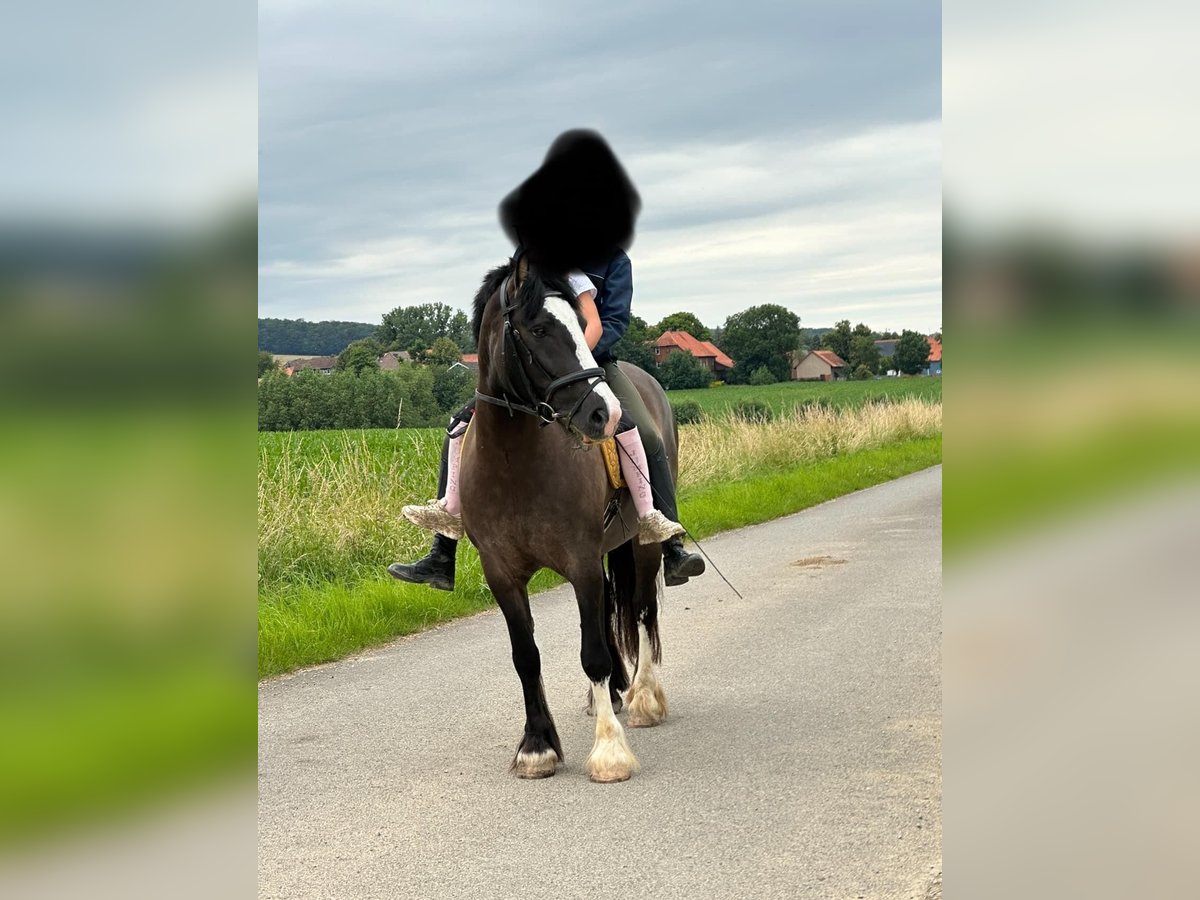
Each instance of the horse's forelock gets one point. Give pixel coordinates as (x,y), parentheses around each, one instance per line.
(531,295)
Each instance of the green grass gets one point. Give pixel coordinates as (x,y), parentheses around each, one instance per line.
(312,620)
(760,498)
(787,395)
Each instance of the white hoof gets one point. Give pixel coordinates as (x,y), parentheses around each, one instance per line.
(611,759)
(434,517)
(654,528)
(535,765)
(647,705)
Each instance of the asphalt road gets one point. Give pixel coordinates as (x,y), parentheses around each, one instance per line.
(801,757)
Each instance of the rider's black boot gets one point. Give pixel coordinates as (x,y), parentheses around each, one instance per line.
(435,570)
(678,564)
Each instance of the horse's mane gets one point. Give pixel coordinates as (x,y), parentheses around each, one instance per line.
(530,297)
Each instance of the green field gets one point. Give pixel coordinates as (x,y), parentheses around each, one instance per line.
(329,512)
(788,395)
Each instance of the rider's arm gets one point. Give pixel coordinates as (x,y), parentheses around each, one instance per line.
(618,298)
(592,329)
(585,294)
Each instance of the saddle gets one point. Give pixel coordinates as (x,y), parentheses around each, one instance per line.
(612,463)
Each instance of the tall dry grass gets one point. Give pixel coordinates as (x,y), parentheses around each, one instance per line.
(329,503)
(726,450)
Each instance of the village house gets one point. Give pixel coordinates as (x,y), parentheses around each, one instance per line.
(887,349)
(322,364)
(709,355)
(391,360)
(818,365)
(935,357)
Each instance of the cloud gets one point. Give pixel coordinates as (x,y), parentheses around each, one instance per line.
(790,154)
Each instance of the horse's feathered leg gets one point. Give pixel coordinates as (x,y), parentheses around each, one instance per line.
(540,749)
(618,681)
(611,758)
(647,701)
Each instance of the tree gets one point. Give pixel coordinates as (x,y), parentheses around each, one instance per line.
(862,373)
(453,387)
(266,363)
(912,353)
(683,321)
(680,370)
(838,340)
(360,356)
(634,345)
(443,354)
(762,375)
(763,335)
(408,326)
(864,353)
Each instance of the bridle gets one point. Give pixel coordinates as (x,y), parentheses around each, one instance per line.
(515,350)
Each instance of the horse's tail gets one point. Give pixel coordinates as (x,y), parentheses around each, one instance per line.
(622,583)
(628,608)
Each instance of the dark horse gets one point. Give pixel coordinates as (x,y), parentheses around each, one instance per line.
(535,495)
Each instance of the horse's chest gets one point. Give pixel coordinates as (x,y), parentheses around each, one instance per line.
(519,495)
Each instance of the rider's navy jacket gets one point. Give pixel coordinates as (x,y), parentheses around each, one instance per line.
(614,296)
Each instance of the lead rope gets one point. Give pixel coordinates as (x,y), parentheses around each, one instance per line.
(703,552)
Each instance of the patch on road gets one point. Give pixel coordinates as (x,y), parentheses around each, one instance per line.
(817,562)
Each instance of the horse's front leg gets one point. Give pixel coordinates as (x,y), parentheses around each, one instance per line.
(540,749)
(618,680)
(610,759)
(647,700)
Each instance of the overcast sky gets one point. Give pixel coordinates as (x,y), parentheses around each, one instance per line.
(785,152)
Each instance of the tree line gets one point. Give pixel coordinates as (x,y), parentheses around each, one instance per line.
(309,338)
(762,341)
(412,396)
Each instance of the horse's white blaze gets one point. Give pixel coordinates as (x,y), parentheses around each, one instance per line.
(565,313)
(610,759)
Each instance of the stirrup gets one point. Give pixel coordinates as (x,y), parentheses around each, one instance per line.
(654,528)
(434,517)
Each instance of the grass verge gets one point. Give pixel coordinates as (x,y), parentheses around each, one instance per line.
(305,624)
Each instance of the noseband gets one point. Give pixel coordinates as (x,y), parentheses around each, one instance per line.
(515,354)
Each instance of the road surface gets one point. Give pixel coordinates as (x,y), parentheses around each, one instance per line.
(801,757)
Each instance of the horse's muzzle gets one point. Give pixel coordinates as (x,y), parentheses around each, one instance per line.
(595,421)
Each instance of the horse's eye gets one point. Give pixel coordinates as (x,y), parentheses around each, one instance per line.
(539,331)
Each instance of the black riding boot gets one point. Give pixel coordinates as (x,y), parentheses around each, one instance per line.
(678,564)
(435,569)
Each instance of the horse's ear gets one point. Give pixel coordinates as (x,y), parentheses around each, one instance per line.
(522,269)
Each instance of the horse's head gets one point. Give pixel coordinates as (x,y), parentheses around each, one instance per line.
(533,353)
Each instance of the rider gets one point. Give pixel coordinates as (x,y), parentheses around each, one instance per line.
(580,173)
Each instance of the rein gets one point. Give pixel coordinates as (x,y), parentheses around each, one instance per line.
(514,344)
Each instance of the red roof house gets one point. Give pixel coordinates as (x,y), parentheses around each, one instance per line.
(708,353)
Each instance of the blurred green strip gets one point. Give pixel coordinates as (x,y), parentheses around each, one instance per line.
(83,746)
(992,495)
